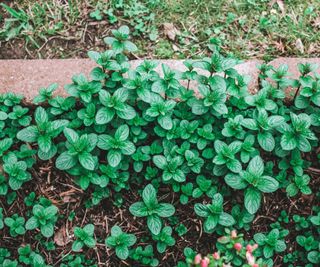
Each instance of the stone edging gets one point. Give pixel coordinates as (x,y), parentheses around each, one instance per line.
(26,77)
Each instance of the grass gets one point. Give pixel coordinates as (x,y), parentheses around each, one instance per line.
(245,28)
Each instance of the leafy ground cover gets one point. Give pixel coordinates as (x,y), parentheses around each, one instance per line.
(161,29)
(133,169)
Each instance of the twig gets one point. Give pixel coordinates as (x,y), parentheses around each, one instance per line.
(263,216)
(313,170)
(84,217)
(98,256)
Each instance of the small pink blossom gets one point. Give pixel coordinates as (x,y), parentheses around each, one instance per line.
(249,248)
(197,259)
(216,256)
(237,246)
(234,234)
(250,258)
(205,262)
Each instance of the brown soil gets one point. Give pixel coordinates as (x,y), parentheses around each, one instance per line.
(61,190)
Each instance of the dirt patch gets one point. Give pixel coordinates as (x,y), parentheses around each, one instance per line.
(61,190)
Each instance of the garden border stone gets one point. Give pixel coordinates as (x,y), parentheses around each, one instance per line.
(26,77)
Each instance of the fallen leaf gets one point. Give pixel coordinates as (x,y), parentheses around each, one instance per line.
(300,46)
(170,31)
(60,237)
(69,199)
(68,196)
(175,48)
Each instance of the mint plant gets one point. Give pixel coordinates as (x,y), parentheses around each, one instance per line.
(299,184)
(168,85)
(264,124)
(15,224)
(204,186)
(19,116)
(152,209)
(194,161)
(59,105)
(214,97)
(116,146)
(213,214)
(29,257)
(255,182)
(226,155)
(114,105)
(84,237)
(248,150)
(43,218)
(298,134)
(308,243)
(79,151)
(261,101)
(313,256)
(87,114)
(270,243)
(164,239)
(145,256)
(309,93)
(120,41)
(121,242)
(45,94)
(43,133)
(295,162)
(162,110)
(205,135)
(16,171)
(82,88)
(170,167)
(186,193)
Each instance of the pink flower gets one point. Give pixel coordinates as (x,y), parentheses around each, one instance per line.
(249,248)
(197,259)
(255,265)
(233,234)
(216,256)
(250,258)
(237,246)
(205,262)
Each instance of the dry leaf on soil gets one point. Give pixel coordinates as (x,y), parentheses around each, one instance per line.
(300,46)
(170,31)
(60,237)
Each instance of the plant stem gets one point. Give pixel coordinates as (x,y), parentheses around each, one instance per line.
(295,95)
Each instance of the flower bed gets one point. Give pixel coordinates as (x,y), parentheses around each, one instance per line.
(133,169)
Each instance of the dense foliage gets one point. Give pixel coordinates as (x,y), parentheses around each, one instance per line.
(123,132)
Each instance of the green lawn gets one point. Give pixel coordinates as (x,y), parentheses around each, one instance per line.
(163,29)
